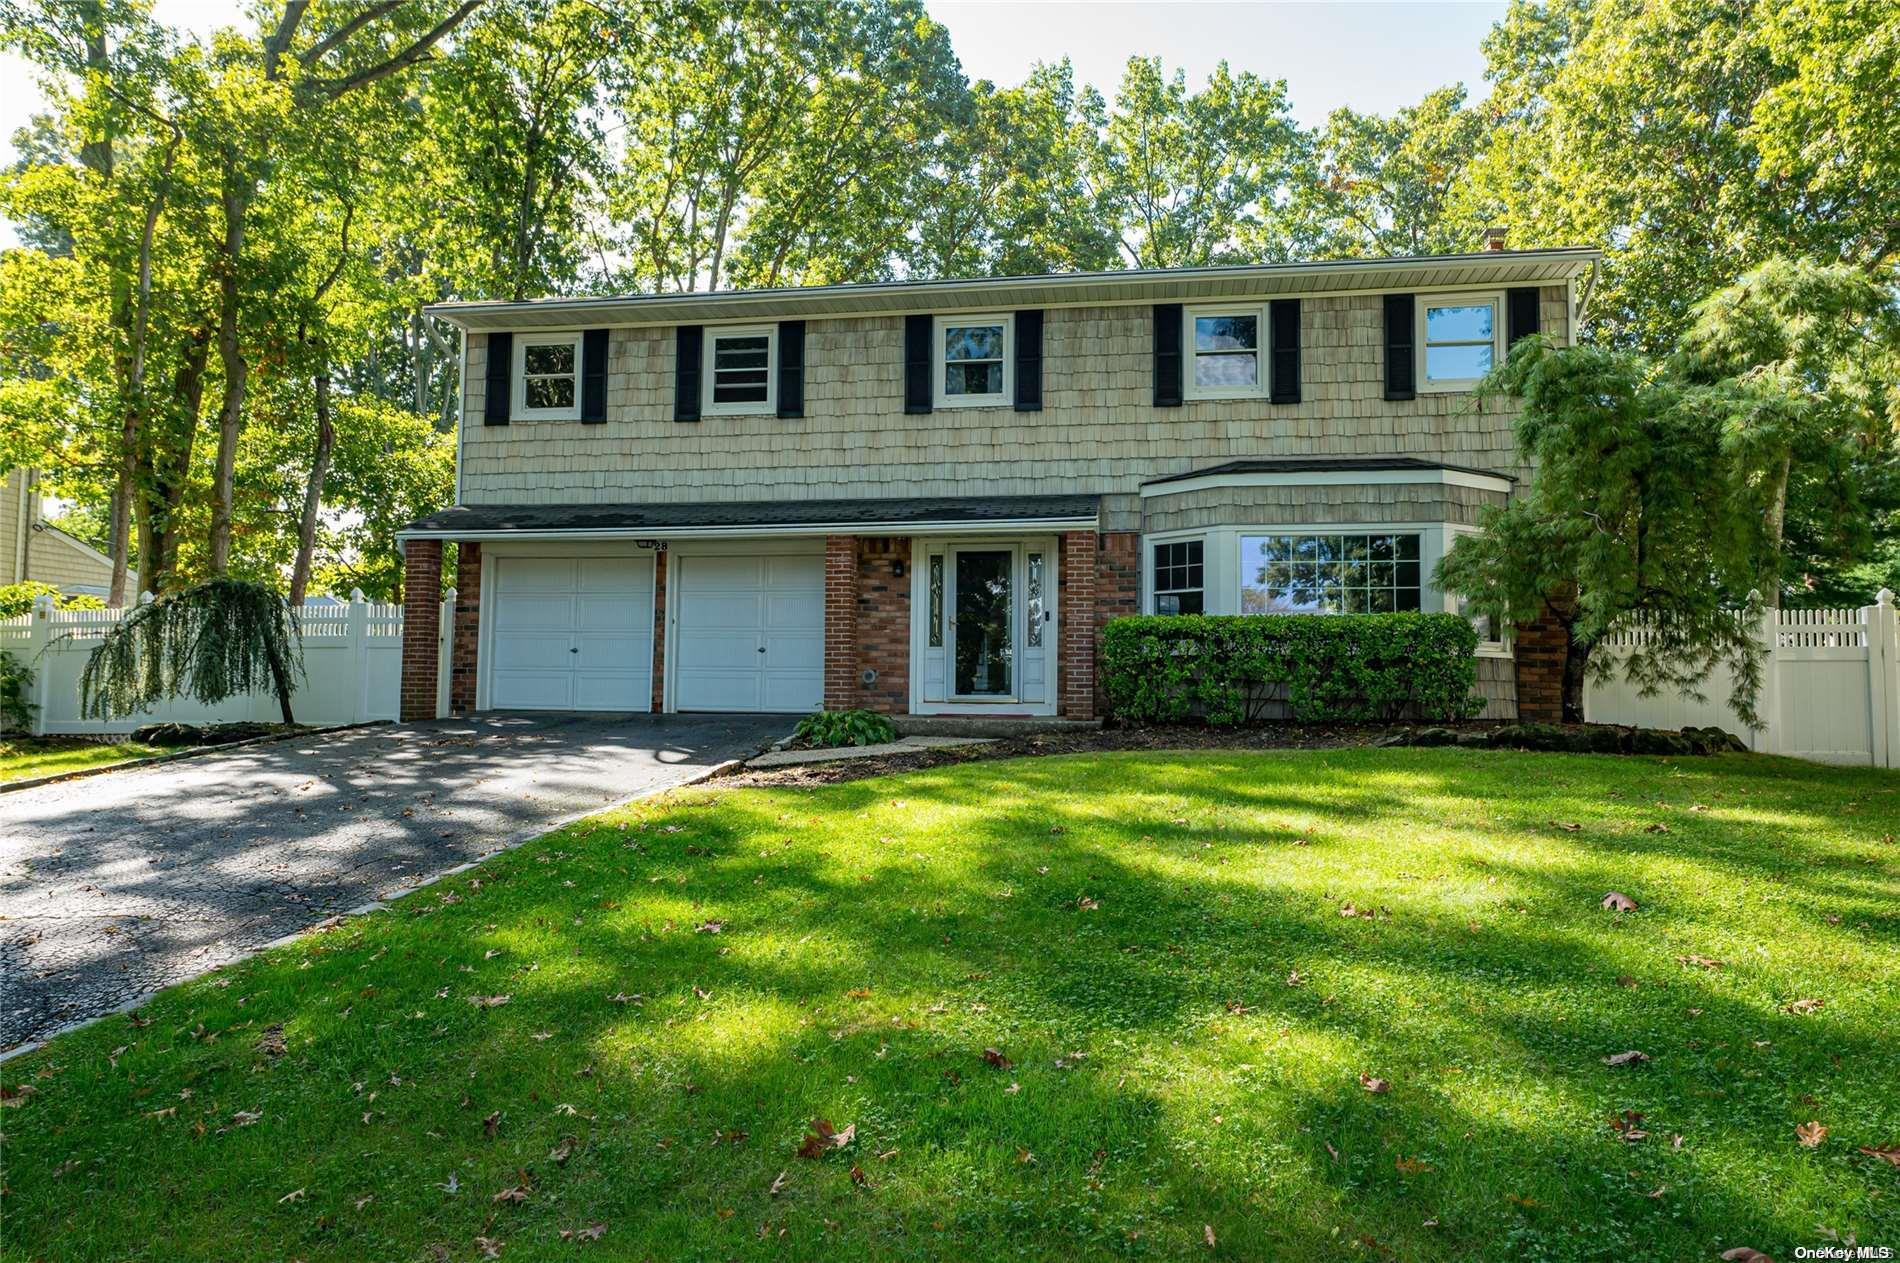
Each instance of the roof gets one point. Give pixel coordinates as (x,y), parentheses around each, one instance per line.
(1488,267)
(1325,465)
(741,518)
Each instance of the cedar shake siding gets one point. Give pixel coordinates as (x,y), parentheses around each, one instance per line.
(1098,429)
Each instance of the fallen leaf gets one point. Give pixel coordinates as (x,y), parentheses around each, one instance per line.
(997,1059)
(1658,827)
(1657,1192)
(1087,904)
(489,1001)
(824,1136)
(491,1126)
(1625,1058)
(1745,1254)
(1295,978)
(1627,1126)
(364,1201)
(1617,901)
(1810,1133)
(514,1194)
(1024,1157)
(271,1042)
(1805,1007)
(858,1176)
(702,993)
(592,1232)
(244,1118)
(710,927)
(563,1151)
(14,1098)
(1568,826)
(489,1246)
(1624,980)
(1410,1166)
(1207,1235)
(295,1195)
(778,1185)
(1376,1086)
(1700,962)
(1886,1153)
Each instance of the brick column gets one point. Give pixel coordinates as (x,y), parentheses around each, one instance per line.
(1075,667)
(421,627)
(883,628)
(659,631)
(1117,592)
(1540,649)
(468,624)
(841,622)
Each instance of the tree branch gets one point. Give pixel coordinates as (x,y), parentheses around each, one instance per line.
(417,51)
(370,13)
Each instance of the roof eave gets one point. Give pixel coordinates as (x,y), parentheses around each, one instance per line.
(1500,267)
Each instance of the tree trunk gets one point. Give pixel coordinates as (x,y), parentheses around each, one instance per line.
(165,470)
(280,680)
(237,199)
(313,491)
(1576,667)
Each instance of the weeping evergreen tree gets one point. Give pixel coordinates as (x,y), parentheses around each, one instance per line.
(208,642)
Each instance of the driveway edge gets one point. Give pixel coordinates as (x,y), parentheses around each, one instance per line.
(194,752)
(509,843)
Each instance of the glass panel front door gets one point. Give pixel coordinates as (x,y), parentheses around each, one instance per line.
(983,623)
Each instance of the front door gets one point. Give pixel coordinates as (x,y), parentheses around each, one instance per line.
(983,623)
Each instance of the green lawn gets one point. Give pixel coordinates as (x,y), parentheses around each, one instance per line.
(1159,945)
(24,757)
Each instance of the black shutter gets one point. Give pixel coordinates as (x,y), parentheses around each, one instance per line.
(917,394)
(688,340)
(791,368)
(499,401)
(594,376)
(1283,349)
(1522,320)
(1401,333)
(1167,355)
(1029,361)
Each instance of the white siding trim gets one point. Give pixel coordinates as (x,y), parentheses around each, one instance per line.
(1336,478)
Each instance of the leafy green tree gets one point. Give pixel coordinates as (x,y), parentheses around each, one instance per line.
(1191,178)
(1383,186)
(208,642)
(1634,516)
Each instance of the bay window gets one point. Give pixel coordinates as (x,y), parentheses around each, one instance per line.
(1179,587)
(1346,573)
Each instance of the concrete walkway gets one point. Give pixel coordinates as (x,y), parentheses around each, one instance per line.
(116,885)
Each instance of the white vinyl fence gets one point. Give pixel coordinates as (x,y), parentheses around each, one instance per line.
(352,659)
(1830,689)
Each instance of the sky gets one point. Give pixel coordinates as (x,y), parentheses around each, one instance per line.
(1374,57)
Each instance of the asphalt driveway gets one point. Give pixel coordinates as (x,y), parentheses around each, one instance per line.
(113,886)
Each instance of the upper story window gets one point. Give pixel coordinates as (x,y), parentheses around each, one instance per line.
(1178,585)
(973,364)
(547,377)
(1458,340)
(1361,573)
(1224,347)
(741,371)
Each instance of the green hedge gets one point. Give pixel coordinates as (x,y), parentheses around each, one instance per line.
(1335,668)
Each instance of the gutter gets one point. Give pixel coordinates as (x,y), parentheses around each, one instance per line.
(799,531)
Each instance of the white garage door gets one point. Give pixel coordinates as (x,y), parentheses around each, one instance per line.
(571,633)
(751,633)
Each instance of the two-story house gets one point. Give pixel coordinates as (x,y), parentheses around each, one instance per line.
(927,497)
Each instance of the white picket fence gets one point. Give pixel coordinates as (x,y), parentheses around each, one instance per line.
(1830,689)
(352,658)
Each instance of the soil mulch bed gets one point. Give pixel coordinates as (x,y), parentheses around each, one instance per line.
(1259,737)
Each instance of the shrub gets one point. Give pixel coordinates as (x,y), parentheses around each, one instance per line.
(17,598)
(845,728)
(16,681)
(1334,668)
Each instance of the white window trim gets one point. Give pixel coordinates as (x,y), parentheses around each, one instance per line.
(518,378)
(1256,391)
(1150,572)
(707,373)
(938,362)
(1499,648)
(1426,302)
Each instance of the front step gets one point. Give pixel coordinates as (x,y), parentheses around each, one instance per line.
(988,725)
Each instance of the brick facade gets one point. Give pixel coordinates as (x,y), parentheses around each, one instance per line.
(1117,591)
(659,631)
(841,622)
(883,625)
(467,636)
(1075,659)
(421,627)
(1541,648)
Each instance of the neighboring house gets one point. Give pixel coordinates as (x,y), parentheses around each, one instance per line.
(32,548)
(927,497)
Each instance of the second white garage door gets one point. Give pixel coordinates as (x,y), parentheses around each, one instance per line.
(571,633)
(750,634)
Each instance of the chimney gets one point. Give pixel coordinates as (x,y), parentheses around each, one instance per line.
(1494,237)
